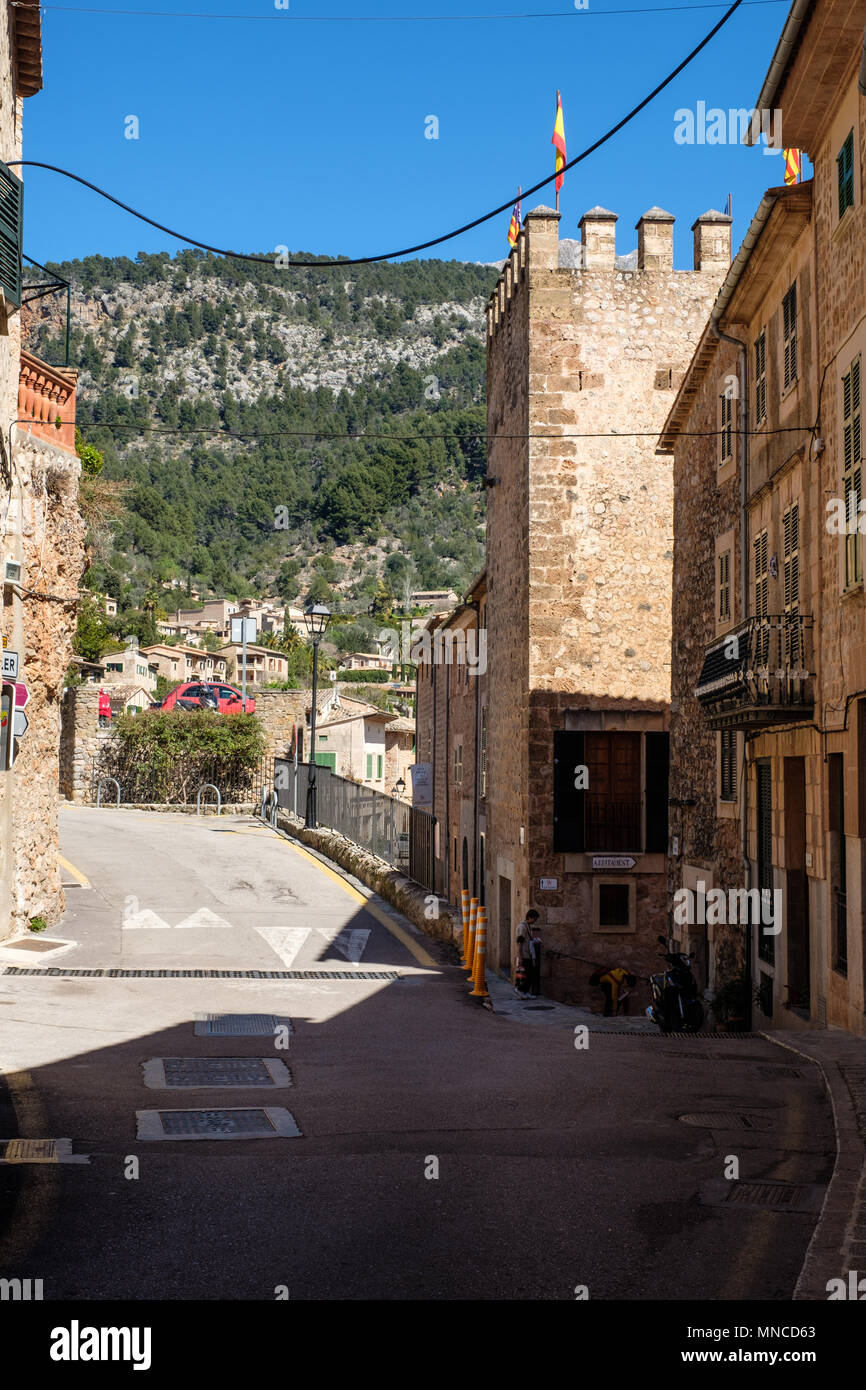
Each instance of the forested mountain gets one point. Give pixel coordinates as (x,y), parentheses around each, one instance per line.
(230,396)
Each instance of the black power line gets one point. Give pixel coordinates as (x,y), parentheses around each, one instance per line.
(422,245)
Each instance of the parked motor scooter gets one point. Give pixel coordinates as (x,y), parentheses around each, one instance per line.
(675,1006)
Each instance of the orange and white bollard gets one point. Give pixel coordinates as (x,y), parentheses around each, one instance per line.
(470,945)
(479,982)
(464,907)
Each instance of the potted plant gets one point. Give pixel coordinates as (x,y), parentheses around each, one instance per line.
(728,1003)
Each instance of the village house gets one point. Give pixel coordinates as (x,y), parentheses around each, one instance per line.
(264,665)
(365,661)
(183,663)
(579,550)
(769,654)
(41,531)
(131,667)
(361,742)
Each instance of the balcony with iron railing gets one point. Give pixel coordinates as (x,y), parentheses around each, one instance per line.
(759,674)
(46,401)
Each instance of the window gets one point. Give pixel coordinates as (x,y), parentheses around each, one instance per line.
(613,905)
(761,379)
(483,751)
(458,764)
(791,574)
(852,486)
(369,777)
(845,173)
(725,586)
(728,769)
(378,767)
(602,810)
(789,325)
(726,419)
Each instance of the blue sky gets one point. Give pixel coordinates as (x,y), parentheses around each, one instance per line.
(277,131)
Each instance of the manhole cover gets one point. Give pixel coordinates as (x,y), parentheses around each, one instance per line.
(33,944)
(217,1072)
(767,1194)
(239,1026)
(264,1123)
(730,1119)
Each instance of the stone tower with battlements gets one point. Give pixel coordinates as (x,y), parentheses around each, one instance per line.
(585,350)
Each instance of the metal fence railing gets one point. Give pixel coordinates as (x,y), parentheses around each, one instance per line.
(176,783)
(400,834)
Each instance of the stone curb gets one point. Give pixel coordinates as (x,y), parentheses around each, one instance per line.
(841,1225)
(402,892)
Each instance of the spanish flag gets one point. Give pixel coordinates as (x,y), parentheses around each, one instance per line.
(792,166)
(559,141)
(514,228)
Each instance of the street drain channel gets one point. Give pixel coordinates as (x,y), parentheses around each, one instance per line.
(267,1123)
(104,974)
(240,1025)
(163,1072)
(730,1119)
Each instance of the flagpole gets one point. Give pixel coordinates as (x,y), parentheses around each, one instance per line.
(557,189)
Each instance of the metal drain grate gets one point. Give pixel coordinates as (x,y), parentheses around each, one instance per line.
(31,1151)
(57,971)
(536,1008)
(263,1123)
(730,1119)
(240,1026)
(773,1071)
(768,1194)
(215,1071)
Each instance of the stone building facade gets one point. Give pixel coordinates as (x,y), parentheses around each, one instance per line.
(582,348)
(788,695)
(41,530)
(746,588)
(451,741)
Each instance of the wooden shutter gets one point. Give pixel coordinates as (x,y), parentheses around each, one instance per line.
(726,426)
(656,810)
(760,378)
(724,586)
(789,316)
(11,211)
(791,575)
(852,470)
(568,801)
(845,172)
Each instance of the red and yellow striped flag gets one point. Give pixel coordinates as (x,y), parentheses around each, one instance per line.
(792,166)
(514,227)
(559,141)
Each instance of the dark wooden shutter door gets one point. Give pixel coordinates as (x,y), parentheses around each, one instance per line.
(568,801)
(657,768)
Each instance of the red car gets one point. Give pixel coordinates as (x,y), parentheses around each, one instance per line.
(208,695)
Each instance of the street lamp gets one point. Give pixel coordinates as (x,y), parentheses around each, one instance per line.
(399,786)
(316,619)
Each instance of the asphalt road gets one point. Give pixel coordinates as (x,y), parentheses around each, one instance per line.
(557,1167)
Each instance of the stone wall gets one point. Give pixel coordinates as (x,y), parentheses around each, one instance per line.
(40,626)
(81,740)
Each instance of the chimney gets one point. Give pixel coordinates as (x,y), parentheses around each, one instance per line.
(598,239)
(542,238)
(655,240)
(712,232)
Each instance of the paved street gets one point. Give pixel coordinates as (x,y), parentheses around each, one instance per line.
(557,1167)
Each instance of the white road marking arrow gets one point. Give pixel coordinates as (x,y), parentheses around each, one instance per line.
(144,918)
(350,944)
(204,918)
(286,942)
